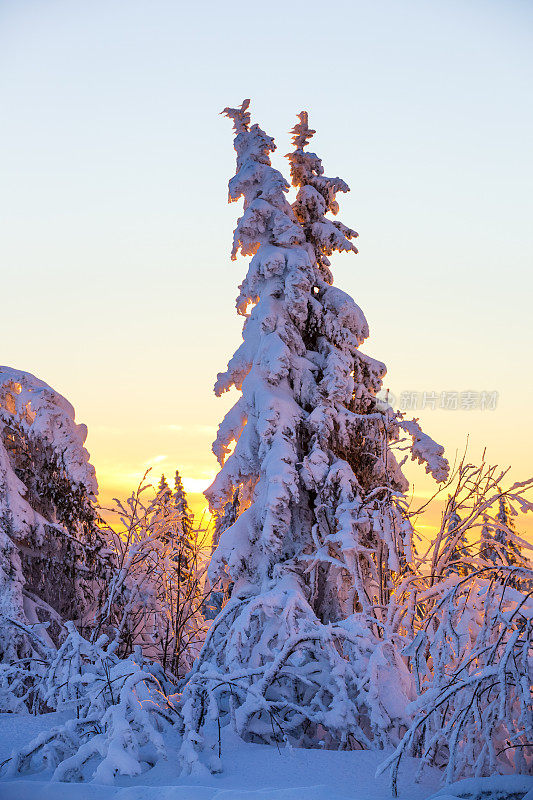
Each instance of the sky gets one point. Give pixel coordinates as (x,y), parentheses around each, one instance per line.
(117,287)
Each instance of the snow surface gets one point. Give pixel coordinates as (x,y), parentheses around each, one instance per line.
(251,772)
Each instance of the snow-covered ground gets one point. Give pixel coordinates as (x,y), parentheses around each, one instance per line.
(251,772)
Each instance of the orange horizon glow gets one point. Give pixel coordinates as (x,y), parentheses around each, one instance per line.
(122,484)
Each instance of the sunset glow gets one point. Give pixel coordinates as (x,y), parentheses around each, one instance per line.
(266,497)
(135,273)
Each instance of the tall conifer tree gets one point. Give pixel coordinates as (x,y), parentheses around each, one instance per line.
(319,524)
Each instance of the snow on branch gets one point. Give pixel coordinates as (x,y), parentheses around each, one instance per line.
(240,116)
(426,451)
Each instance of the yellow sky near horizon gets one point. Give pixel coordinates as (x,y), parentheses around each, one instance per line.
(119,468)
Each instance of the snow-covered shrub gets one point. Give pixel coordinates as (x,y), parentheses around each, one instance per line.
(157,594)
(477,522)
(21,677)
(320,527)
(474,712)
(464,613)
(117,700)
(322,683)
(119,708)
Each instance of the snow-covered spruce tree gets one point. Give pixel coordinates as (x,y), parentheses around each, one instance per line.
(224,519)
(52,555)
(163,490)
(510,543)
(189,594)
(487,551)
(320,524)
(179,498)
(500,544)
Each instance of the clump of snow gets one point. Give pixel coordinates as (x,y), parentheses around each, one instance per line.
(426,450)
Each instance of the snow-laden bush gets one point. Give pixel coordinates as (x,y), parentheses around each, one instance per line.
(329,684)
(116,681)
(157,594)
(119,708)
(473,660)
(21,678)
(464,611)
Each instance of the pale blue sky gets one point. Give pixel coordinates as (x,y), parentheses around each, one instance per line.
(116,283)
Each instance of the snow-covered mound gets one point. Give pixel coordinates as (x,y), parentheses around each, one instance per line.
(495,787)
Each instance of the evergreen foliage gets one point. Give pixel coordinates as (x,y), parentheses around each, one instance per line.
(321,525)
